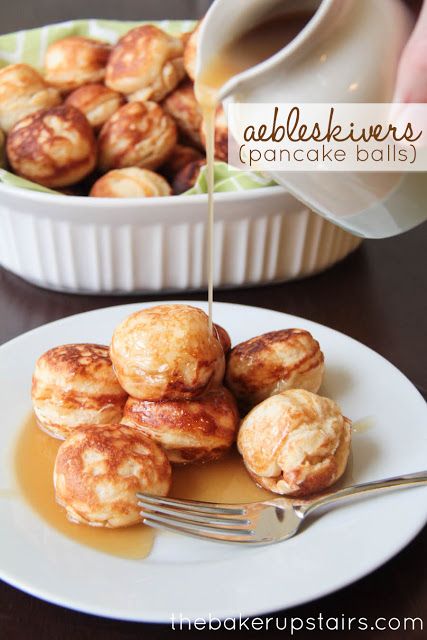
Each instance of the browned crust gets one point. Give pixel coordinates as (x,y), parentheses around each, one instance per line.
(254,364)
(201,429)
(167,352)
(116,445)
(133,124)
(139,57)
(77,357)
(181,156)
(68,399)
(83,61)
(175,387)
(130,182)
(314,484)
(183,107)
(31,140)
(187,177)
(200,417)
(93,96)
(74,384)
(223,337)
(129,56)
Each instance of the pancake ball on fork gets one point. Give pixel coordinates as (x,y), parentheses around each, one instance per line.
(99,469)
(75,385)
(167,352)
(295,443)
(273,362)
(199,430)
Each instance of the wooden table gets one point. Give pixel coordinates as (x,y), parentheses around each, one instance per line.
(377,295)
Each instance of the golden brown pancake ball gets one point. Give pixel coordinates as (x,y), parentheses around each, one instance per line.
(223,337)
(274,362)
(73,61)
(179,158)
(182,105)
(295,443)
(146,64)
(197,430)
(139,134)
(130,183)
(221,135)
(75,385)
(23,91)
(167,352)
(99,469)
(187,177)
(96,102)
(54,147)
(190,52)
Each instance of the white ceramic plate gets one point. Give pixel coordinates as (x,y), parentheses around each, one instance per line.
(196,578)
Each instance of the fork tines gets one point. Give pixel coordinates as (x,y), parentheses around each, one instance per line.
(200,519)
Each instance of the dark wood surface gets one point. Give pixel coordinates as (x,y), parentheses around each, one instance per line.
(377,295)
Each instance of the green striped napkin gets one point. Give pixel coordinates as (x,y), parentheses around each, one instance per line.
(30,47)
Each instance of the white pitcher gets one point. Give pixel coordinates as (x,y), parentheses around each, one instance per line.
(347,52)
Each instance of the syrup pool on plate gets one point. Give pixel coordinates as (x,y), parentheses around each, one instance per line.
(223,481)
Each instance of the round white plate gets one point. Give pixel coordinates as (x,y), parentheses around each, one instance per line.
(196,578)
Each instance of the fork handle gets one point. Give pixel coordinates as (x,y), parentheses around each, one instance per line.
(357,490)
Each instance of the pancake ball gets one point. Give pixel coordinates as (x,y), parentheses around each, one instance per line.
(54,147)
(188,176)
(75,385)
(130,183)
(223,337)
(96,102)
(98,471)
(179,158)
(190,52)
(71,62)
(199,430)
(274,362)
(295,443)
(137,135)
(23,91)
(167,352)
(183,107)
(146,64)
(221,135)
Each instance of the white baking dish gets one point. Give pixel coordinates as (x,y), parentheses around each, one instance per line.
(97,245)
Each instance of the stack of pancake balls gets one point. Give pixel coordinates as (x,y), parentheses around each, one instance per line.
(108,122)
(169,391)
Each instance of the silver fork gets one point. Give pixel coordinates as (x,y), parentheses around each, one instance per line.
(254,523)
